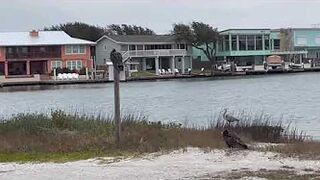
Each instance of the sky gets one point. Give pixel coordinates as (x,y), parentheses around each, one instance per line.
(159,15)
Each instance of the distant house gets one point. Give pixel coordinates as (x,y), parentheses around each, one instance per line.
(146,52)
(249,48)
(33,55)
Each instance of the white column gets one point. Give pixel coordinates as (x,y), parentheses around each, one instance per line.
(172,67)
(300,58)
(230,43)
(183,66)
(190,59)
(157,65)
(144,64)
(263,43)
(237,42)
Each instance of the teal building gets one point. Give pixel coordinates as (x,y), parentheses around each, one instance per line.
(249,48)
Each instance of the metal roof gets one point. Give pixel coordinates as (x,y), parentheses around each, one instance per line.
(141,38)
(44,38)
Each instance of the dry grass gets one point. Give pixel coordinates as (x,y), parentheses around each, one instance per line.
(264,174)
(304,150)
(61,133)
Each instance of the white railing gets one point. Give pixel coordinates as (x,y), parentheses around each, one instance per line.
(153,53)
(288,52)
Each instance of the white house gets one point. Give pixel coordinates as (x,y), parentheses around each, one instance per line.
(146,52)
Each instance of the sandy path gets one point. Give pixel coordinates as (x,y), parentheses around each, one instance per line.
(176,165)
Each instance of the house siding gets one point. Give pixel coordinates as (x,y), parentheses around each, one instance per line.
(85,58)
(103,50)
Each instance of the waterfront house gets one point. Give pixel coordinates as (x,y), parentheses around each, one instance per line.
(31,56)
(249,48)
(153,53)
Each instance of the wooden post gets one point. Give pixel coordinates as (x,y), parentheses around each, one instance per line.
(116,59)
(117,117)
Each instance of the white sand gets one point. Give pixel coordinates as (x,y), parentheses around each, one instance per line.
(176,165)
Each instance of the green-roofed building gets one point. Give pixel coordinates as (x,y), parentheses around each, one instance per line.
(249,48)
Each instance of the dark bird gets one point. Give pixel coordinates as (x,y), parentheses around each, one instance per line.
(228,117)
(232,140)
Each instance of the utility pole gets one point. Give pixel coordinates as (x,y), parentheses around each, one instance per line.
(116,59)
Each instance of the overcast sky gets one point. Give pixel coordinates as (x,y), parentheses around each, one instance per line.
(159,15)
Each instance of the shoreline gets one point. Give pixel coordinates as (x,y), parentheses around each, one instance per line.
(192,76)
(189,163)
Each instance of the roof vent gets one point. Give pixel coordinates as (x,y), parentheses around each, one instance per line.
(34,33)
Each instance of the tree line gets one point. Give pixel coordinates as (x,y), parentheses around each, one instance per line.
(93,33)
(197,34)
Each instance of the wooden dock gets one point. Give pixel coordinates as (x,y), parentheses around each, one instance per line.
(216,74)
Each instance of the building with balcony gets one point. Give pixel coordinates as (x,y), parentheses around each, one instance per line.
(249,48)
(146,52)
(33,55)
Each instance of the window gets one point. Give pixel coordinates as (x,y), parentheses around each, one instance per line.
(259,42)
(250,41)
(74,65)
(220,45)
(139,47)
(242,42)
(266,42)
(132,47)
(181,46)
(226,44)
(68,49)
(42,49)
(276,44)
(82,49)
(24,50)
(75,49)
(10,50)
(56,64)
(234,42)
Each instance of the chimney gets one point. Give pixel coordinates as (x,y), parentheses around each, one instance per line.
(34,33)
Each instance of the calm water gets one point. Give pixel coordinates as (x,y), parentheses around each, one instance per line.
(293,96)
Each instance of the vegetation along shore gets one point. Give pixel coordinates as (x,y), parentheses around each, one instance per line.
(61,137)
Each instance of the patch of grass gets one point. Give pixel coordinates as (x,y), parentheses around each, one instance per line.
(268,174)
(304,150)
(142,74)
(59,157)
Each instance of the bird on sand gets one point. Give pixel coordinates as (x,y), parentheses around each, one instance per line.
(229,118)
(232,140)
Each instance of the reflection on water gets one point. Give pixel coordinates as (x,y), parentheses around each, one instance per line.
(294,96)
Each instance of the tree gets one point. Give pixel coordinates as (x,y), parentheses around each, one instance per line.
(125,29)
(201,36)
(79,30)
(93,33)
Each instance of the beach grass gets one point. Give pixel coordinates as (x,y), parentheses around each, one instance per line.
(60,136)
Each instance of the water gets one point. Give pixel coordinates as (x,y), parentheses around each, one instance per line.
(291,96)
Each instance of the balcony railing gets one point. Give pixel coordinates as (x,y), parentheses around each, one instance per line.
(33,55)
(154,53)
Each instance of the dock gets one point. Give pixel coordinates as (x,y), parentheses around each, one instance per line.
(162,77)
